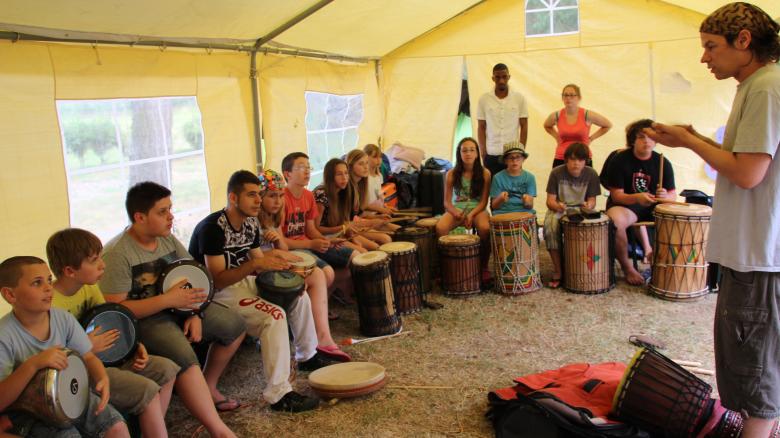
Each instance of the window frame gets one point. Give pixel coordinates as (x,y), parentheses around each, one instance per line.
(552,8)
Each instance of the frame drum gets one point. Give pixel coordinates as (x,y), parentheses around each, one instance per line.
(348,379)
(113,316)
(197,276)
(305,266)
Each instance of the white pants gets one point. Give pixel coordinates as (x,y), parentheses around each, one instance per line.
(268,322)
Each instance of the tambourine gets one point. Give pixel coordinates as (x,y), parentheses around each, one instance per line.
(197,276)
(113,316)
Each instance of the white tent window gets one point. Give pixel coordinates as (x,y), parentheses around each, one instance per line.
(332,123)
(111,144)
(551,17)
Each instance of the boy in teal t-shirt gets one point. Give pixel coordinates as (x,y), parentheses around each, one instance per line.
(513,189)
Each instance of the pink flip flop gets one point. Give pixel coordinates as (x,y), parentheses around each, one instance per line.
(335,353)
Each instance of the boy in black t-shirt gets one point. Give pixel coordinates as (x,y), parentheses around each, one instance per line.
(632,177)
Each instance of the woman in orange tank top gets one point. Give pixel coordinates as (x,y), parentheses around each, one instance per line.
(572,124)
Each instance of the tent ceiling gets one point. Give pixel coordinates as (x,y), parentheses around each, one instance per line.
(358,28)
(772,7)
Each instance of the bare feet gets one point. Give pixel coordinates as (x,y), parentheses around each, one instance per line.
(634,278)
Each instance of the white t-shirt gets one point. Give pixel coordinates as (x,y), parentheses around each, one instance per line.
(744,234)
(502,119)
(374,188)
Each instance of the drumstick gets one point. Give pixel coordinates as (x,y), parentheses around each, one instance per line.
(404,213)
(418,387)
(399,219)
(667,201)
(643,224)
(702,371)
(661,172)
(687,363)
(351,341)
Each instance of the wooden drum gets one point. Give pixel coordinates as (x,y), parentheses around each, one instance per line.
(424,239)
(405,273)
(430,224)
(515,243)
(374,291)
(679,268)
(460,270)
(587,261)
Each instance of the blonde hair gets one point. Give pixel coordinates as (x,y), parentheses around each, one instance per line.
(373,151)
(361,187)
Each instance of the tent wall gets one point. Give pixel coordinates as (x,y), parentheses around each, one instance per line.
(283,83)
(626,72)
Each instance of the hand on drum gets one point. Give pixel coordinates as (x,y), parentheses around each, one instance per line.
(179,295)
(53,357)
(141,358)
(102,341)
(290,257)
(645,199)
(319,245)
(193,329)
(270,263)
(561,207)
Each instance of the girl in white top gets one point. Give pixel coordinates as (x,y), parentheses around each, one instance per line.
(357,162)
(374,193)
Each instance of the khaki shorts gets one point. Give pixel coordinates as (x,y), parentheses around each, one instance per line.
(131,390)
(747,342)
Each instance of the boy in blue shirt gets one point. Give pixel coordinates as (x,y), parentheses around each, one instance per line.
(513,189)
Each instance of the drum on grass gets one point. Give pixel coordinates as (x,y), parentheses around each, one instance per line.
(348,379)
(197,276)
(113,316)
(405,274)
(57,397)
(424,239)
(305,266)
(282,288)
(460,268)
(374,292)
(515,243)
(661,397)
(679,267)
(430,224)
(587,262)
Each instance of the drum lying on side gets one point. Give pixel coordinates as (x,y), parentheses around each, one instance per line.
(460,268)
(57,397)
(587,262)
(113,316)
(374,293)
(405,274)
(282,288)
(515,244)
(197,276)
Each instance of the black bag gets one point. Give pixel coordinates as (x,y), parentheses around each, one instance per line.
(431,189)
(405,189)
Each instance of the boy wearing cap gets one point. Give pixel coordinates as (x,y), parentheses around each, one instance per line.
(513,189)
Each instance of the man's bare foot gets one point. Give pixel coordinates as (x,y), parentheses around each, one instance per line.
(634,278)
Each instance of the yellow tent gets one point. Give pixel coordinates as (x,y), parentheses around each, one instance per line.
(405,59)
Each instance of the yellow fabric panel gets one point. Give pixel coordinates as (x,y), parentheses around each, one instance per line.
(369,28)
(113,72)
(772,7)
(33,191)
(225,101)
(241,19)
(421,98)
(686,92)
(283,82)
(540,77)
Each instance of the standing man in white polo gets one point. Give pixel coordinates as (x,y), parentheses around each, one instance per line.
(502,117)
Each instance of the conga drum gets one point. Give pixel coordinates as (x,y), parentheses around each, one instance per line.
(587,262)
(424,239)
(113,316)
(430,224)
(57,397)
(661,397)
(679,267)
(305,266)
(282,288)
(197,276)
(374,293)
(460,269)
(515,243)
(405,274)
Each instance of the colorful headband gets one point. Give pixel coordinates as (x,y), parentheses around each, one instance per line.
(271,180)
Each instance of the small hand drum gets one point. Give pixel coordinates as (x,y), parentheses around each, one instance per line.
(57,397)
(113,316)
(282,288)
(305,266)
(197,277)
(348,379)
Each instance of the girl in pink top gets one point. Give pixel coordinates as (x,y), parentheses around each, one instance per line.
(572,124)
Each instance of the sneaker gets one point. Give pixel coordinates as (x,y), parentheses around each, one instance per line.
(316,362)
(294,402)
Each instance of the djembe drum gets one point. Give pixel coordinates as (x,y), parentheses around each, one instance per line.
(374,292)
(405,274)
(430,224)
(661,397)
(515,243)
(587,264)
(424,239)
(679,267)
(459,259)
(305,266)
(282,288)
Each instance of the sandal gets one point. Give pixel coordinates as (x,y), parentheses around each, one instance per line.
(554,283)
(335,353)
(226,405)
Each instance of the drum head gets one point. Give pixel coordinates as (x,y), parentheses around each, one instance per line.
(411,232)
(280,281)
(683,210)
(307,262)
(347,376)
(511,217)
(459,239)
(196,275)
(398,247)
(602,219)
(112,316)
(369,258)
(428,222)
(72,387)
